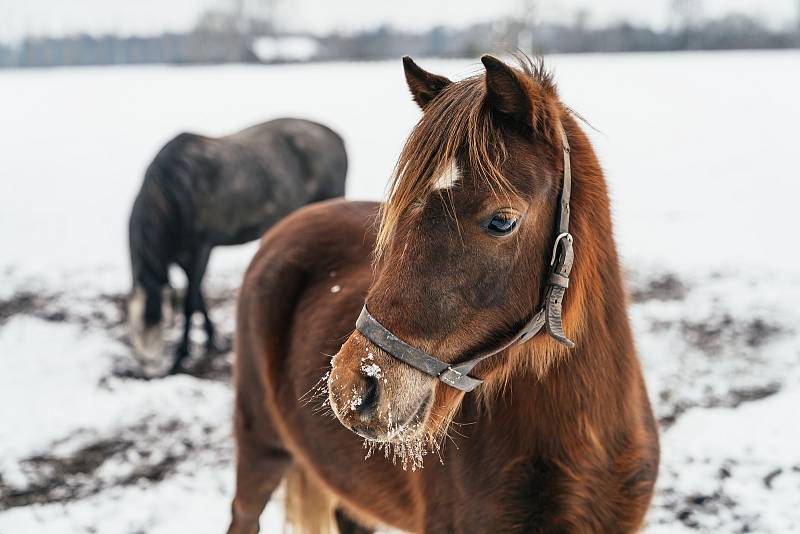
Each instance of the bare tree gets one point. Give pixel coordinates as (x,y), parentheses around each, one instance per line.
(239,12)
(798,18)
(686,16)
(268,12)
(528,17)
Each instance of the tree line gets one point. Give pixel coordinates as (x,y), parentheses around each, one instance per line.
(220,37)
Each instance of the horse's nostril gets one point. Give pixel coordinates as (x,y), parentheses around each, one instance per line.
(369,399)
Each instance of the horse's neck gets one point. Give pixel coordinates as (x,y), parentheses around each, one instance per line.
(149,270)
(157,222)
(150,258)
(595,305)
(594,386)
(590,390)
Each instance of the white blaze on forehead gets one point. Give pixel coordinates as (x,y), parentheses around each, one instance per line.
(448,178)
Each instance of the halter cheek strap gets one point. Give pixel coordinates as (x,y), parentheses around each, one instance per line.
(547,317)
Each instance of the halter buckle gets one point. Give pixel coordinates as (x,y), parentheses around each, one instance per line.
(563,235)
(450,376)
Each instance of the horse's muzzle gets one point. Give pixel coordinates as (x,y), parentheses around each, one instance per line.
(375,396)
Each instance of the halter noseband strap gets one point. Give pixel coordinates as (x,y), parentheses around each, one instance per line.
(455,375)
(547,317)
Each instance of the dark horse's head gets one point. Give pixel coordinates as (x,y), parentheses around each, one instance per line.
(151,300)
(149,313)
(464,245)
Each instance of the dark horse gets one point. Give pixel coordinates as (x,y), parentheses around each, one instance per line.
(559,437)
(201,192)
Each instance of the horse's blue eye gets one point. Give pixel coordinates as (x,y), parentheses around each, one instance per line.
(501,225)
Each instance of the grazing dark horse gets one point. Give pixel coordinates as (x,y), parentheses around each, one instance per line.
(201,192)
(472,276)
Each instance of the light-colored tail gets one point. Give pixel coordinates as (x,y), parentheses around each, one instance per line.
(309,508)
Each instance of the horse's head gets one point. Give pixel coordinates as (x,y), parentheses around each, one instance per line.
(465,242)
(149,314)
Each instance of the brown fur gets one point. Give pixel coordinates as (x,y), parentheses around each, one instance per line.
(555,440)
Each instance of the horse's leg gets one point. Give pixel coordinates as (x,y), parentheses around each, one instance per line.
(348,526)
(200,303)
(202,263)
(211,345)
(261,460)
(195,269)
(259,470)
(183,347)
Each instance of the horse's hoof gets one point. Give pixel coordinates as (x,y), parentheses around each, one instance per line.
(152,367)
(180,356)
(177,366)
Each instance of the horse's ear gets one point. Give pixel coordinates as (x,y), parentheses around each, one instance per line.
(508,92)
(424,86)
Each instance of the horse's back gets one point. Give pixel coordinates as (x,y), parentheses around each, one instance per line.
(316,152)
(303,290)
(320,239)
(263,173)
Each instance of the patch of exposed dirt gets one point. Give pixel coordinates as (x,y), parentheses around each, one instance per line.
(216,364)
(716,360)
(60,479)
(708,510)
(732,399)
(30,303)
(690,506)
(137,455)
(108,312)
(665,286)
(715,333)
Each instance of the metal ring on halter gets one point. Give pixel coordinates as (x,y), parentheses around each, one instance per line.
(564,235)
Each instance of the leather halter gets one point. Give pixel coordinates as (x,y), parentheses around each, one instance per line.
(547,317)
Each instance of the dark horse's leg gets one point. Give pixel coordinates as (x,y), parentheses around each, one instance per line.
(195,268)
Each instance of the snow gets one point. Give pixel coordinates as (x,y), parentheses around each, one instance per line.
(195,500)
(697,152)
(288,48)
(747,456)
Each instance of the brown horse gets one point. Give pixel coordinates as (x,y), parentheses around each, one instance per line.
(472,257)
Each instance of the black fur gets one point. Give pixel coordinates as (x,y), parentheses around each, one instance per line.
(201,192)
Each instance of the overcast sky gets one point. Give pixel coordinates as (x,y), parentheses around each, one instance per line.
(58,17)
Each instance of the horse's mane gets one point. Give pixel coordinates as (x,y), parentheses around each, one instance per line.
(458,119)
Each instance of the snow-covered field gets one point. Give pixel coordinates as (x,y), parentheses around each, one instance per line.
(698,150)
